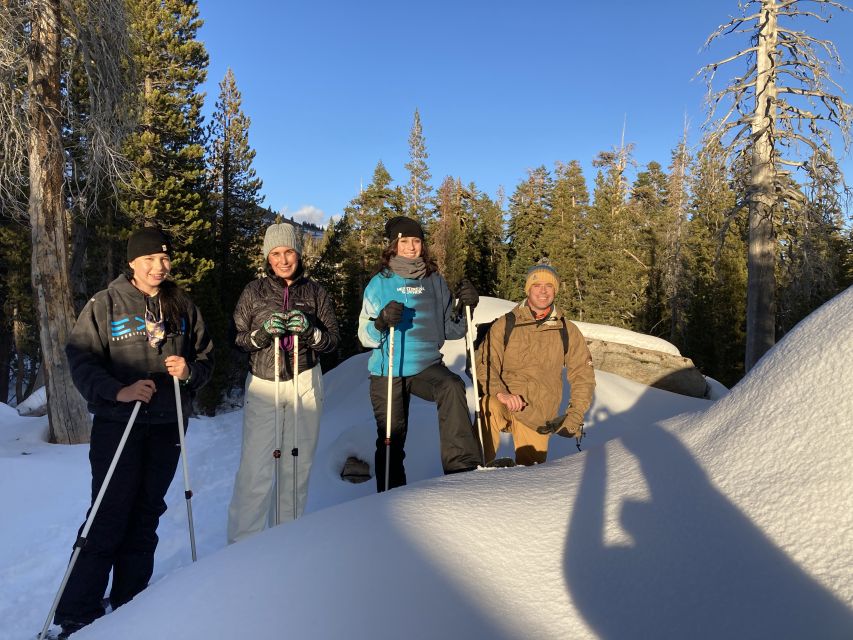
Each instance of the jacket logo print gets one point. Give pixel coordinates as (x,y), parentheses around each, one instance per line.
(411,290)
(122,327)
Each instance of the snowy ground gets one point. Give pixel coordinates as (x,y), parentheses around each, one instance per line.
(682,518)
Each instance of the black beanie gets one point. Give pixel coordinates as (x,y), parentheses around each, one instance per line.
(403,226)
(144,242)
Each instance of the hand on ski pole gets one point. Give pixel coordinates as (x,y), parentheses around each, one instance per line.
(275,325)
(467,294)
(390,316)
(299,324)
(177,366)
(142,390)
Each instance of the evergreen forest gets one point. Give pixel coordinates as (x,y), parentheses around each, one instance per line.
(101,132)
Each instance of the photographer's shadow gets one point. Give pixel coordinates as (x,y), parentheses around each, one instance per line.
(697,568)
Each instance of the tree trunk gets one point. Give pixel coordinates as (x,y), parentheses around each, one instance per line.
(5,361)
(761,257)
(67,414)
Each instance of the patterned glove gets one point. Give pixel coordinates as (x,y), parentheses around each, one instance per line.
(299,324)
(390,316)
(275,325)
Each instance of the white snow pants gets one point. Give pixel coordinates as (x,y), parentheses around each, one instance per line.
(253,503)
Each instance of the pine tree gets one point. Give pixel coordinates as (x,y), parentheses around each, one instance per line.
(812,249)
(351,249)
(649,203)
(529,209)
(417,191)
(19,344)
(234,193)
(167,148)
(449,239)
(369,212)
(487,250)
(237,234)
(613,278)
(569,205)
(675,286)
(716,263)
(341,271)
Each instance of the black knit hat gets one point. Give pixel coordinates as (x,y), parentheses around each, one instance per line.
(401,226)
(144,242)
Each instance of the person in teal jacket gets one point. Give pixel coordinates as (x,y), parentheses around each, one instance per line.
(407,293)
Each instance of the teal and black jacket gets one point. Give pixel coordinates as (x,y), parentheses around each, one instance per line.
(427,322)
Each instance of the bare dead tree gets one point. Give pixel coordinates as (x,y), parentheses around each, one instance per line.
(778,116)
(40,40)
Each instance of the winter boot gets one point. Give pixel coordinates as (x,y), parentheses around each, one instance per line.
(501,463)
(68,628)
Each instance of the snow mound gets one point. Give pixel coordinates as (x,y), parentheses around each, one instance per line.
(779,444)
(491,308)
(35,405)
(733,521)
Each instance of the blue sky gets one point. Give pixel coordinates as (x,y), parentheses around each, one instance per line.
(502,86)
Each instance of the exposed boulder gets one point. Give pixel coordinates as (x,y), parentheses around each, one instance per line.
(355,470)
(654,368)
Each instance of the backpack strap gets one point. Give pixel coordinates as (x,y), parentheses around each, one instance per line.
(510,325)
(564,334)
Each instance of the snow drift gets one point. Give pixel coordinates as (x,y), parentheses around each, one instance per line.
(732,522)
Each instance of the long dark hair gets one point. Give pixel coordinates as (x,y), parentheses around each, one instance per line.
(384,266)
(174,302)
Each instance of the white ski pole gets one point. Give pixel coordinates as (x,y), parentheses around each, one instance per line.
(276,454)
(295,451)
(389,405)
(81,539)
(471,334)
(188,493)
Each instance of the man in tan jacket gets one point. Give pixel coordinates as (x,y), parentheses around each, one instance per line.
(521,375)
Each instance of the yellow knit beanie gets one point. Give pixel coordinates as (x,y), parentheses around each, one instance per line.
(541,274)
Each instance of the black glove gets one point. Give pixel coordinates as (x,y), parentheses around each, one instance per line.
(563,425)
(390,316)
(467,294)
(299,324)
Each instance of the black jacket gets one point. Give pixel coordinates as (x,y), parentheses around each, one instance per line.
(260,299)
(108,349)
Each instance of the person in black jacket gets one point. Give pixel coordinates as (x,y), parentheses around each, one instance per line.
(283,303)
(127,344)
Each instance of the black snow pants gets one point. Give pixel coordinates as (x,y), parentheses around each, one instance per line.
(460,447)
(123,537)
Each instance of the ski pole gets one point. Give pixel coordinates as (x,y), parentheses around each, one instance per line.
(389,405)
(188,493)
(81,539)
(471,333)
(276,454)
(295,451)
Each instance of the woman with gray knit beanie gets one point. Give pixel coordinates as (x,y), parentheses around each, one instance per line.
(283,303)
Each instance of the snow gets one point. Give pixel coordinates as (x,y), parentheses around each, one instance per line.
(35,404)
(681,518)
